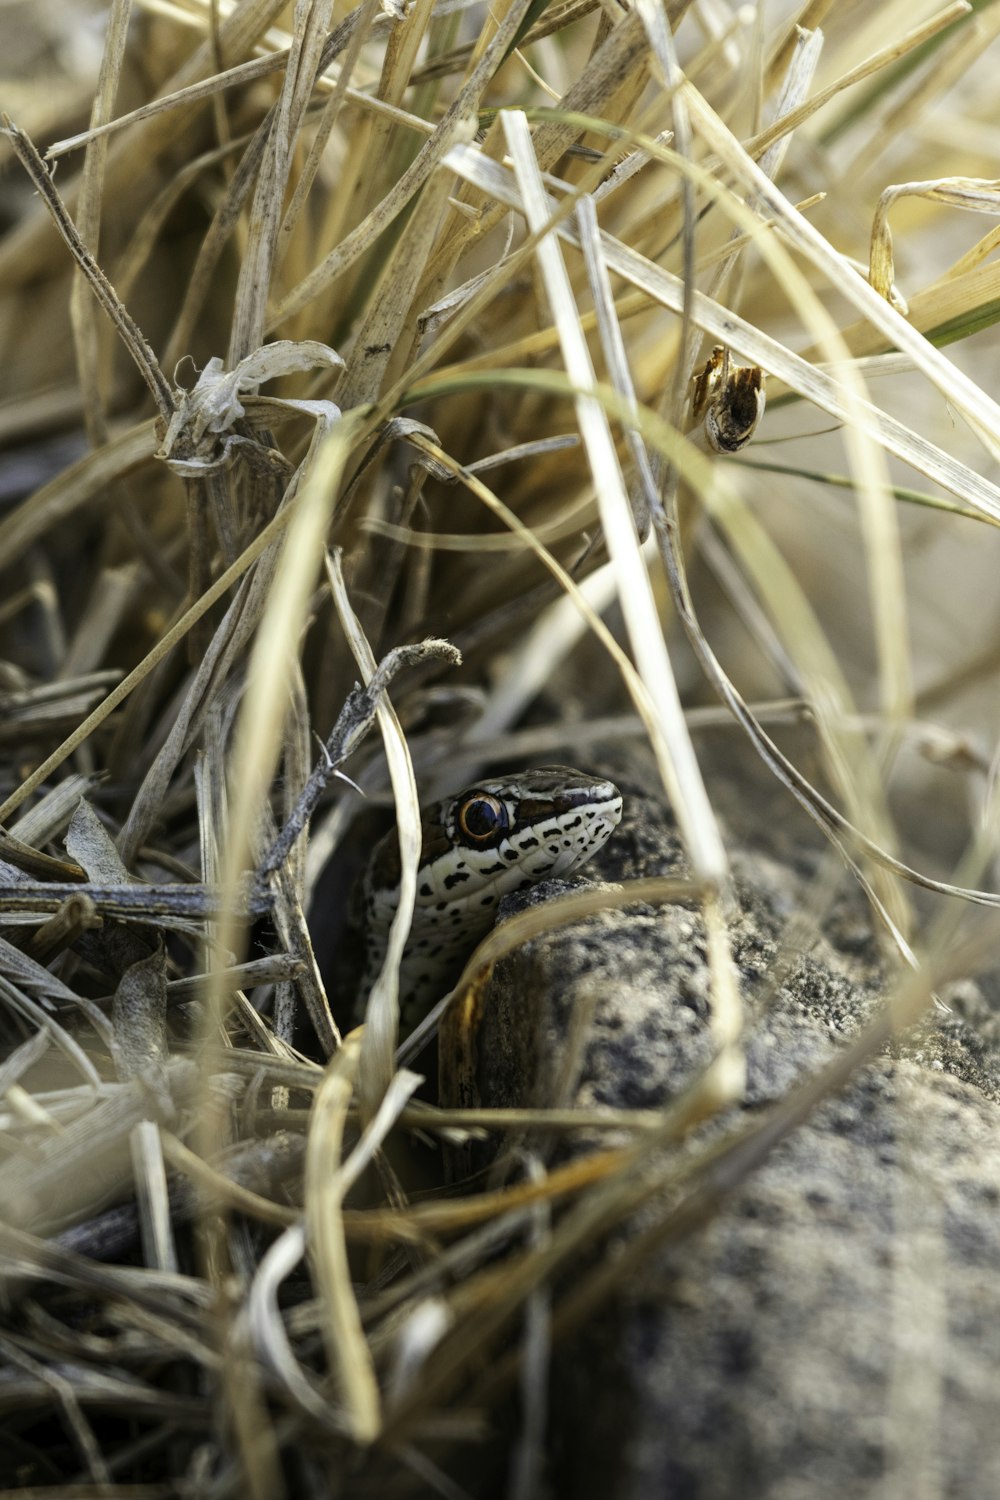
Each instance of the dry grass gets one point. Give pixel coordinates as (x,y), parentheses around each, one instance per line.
(455,267)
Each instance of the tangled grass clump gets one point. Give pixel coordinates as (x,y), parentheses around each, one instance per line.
(336,332)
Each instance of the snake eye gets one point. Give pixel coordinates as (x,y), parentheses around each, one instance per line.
(481,816)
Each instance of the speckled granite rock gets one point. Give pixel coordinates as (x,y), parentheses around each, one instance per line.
(834,1330)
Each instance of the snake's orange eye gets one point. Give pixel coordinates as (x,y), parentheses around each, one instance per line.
(481,817)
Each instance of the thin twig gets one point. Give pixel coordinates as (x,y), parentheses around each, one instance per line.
(354,721)
(131,334)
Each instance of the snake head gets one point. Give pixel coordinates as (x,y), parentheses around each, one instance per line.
(503,834)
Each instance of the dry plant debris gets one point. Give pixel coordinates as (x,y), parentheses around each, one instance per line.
(348,342)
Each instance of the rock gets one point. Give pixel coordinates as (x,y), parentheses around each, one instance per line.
(834,1328)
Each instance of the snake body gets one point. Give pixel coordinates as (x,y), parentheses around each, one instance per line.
(503,834)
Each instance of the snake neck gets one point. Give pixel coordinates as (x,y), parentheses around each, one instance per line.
(503,834)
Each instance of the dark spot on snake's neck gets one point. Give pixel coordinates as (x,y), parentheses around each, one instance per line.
(386,872)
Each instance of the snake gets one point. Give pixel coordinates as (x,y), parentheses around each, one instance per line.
(504,834)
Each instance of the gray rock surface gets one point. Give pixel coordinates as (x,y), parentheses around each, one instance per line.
(834,1329)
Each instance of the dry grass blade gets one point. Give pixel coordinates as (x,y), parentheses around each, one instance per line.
(677,763)
(84,481)
(128,329)
(327,1183)
(976,197)
(457,125)
(756,348)
(382,1005)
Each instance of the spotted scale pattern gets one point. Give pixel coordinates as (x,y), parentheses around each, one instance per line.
(504,834)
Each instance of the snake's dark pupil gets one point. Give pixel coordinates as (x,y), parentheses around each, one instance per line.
(479,817)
